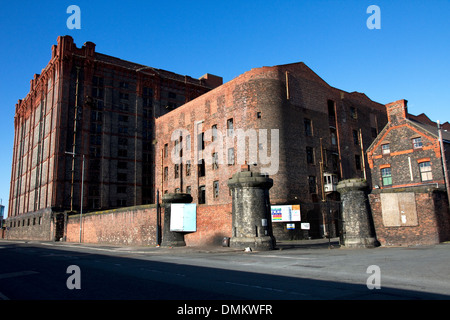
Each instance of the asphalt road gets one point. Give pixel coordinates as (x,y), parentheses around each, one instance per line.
(39,271)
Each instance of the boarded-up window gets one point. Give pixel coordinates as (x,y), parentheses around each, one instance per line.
(399,209)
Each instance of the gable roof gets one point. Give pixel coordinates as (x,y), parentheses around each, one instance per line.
(421,123)
(431,129)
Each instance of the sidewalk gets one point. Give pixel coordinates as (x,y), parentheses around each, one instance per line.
(280,245)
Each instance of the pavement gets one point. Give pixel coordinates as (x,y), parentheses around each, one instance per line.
(280,246)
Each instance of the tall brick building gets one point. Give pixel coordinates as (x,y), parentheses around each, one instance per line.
(409,200)
(305,133)
(88,103)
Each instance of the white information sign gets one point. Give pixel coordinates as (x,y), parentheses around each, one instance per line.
(183,217)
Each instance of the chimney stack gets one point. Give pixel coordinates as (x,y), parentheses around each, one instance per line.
(397,111)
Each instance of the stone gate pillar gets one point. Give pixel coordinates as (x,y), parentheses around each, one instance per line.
(251,220)
(172,238)
(357,223)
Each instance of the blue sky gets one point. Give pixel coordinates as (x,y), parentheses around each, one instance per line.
(408,58)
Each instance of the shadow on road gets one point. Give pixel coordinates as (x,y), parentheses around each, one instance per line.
(110,277)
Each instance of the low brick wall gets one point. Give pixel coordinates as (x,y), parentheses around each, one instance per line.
(137,226)
(213,224)
(125,226)
(37,225)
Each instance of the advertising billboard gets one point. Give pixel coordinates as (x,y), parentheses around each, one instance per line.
(285,213)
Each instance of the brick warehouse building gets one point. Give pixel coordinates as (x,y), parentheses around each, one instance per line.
(91,104)
(298,129)
(409,200)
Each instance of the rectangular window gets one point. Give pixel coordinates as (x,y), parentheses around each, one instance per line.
(95,151)
(176,147)
(122,153)
(97,92)
(121,189)
(308,127)
(312,184)
(188,168)
(121,177)
(385,149)
(386,176)
(123,141)
(230,127)
(166,173)
(123,129)
(216,189)
(201,195)
(96,128)
(96,116)
(231,156)
(124,106)
(147,91)
(353,113)
(177,170)
(122,165)
(172,95)
(215,161)
(124,96)
(188,142)
(425,171)
(310,155)
(188,189)
(355,137)
(95,139)
(147,102)
(417,143)
(333,136)
(166,150)
(214,133)
(331,113)
(201,168)
(201,141)
(121,203)
(97,81)
(357,162)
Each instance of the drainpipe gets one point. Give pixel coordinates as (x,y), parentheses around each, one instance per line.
(74,139)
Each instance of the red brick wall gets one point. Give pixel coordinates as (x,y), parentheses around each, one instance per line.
(433,222)
(213,224)
(137,226)
(126,226)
